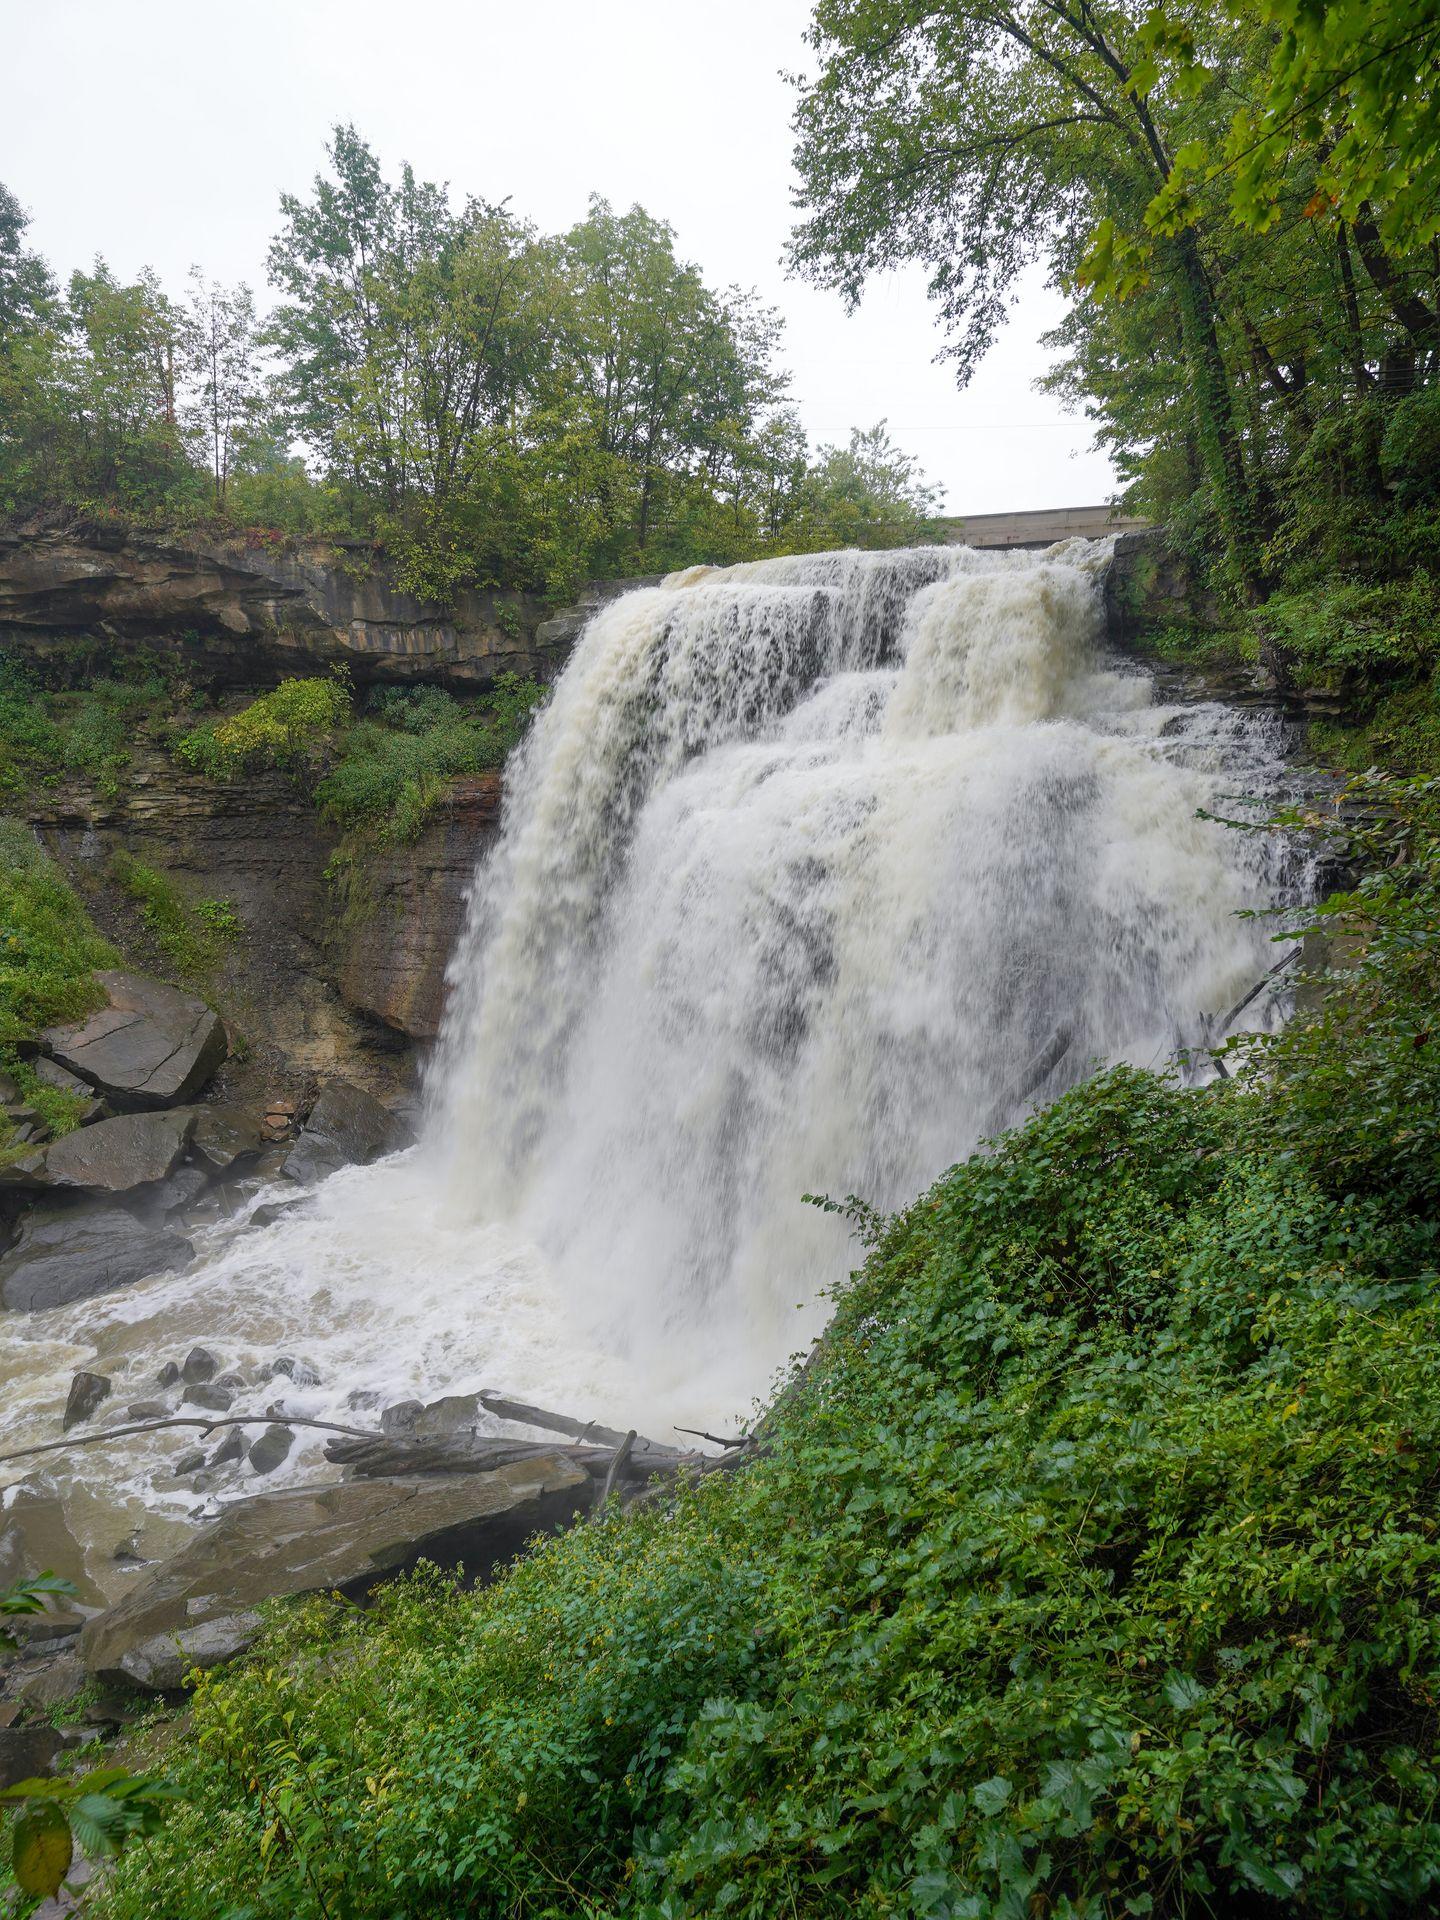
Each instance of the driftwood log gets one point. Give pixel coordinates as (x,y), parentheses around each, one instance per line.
(621,1464)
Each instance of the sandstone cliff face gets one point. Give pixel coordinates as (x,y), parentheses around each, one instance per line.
(244,612)
(405,911)
(326,976)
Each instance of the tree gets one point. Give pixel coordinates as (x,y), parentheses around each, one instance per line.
(224,366)
(978,136)
(670,371)
(27,288)
(869,493)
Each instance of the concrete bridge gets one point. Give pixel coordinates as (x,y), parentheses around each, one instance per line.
(1038,528)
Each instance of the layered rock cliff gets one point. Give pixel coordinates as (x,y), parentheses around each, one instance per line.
(243,610)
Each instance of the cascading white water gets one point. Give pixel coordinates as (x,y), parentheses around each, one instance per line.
(814,873)
(808,868)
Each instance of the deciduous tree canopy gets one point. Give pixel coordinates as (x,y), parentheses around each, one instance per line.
(496,406)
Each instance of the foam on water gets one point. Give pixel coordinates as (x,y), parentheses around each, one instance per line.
(804,865)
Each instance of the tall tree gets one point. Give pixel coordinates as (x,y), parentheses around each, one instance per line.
(225,372)
(978,136)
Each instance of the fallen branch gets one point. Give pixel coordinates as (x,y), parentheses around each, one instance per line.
(529,1416)
(617,1467)
(715,1439)
(374,1457)
(1044,1064)
(1240,1005)
(179,1420)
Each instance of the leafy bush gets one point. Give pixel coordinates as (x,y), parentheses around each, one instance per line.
(287,727)
(1089,1568)
(1355,634)
(49,950)
(398,760)
(187,936)
(45,734)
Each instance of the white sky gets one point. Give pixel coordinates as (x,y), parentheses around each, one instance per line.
(162,132)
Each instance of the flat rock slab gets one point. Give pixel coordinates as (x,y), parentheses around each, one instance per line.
(115,1156)
(345,1127)
(71,1253)
(341,1537)
(151,1045)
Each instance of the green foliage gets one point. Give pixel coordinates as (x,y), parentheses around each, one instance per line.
(47,734)
(220,917)
(1402,732)
(398,760)
(1088,1568)
(1354,81)
(1358,1079)
(1358,635)
(1201,647)
(49,950)
(102,1810)
(191,938)
(24,1598)
(289,727)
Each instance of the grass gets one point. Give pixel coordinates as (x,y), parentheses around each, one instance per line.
(49,953)
(192,937)
(49,950)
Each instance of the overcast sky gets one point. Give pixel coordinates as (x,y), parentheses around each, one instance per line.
(162,132)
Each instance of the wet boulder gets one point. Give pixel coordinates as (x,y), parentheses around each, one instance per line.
(271,1449)
(225,1135)
(116,1156)
(184,1187)
(87,1390)
(200,1364)
(36,1535)
(345,1127)
(151,1045)
(68,1253)
(274,1210)
(27,1752)
(343,1538)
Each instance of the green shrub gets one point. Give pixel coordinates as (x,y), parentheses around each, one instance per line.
(49,950)
(221,917)
(45,734)
(1363,636)
(398,760)
(288,727)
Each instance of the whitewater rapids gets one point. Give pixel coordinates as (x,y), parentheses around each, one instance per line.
(814,873)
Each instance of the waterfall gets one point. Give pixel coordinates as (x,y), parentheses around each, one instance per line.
(814,873)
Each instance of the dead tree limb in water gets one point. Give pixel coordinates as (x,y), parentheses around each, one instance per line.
(180,1420)
(1240,1005)
(528,1416)
(715,1439)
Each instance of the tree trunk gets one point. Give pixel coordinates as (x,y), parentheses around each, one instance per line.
(1215,427)
(1354,334)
